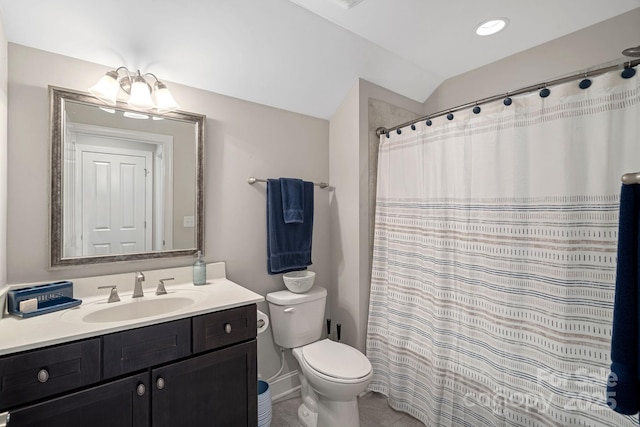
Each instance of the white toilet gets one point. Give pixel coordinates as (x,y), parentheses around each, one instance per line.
(332,374)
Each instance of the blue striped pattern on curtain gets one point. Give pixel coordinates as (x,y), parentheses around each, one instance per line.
(493,275)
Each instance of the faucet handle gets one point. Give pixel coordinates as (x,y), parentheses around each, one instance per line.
(161,290)
(113,295)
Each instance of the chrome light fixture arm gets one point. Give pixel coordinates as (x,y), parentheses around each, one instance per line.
(126,80)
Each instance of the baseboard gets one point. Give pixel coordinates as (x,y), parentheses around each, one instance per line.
(284,385)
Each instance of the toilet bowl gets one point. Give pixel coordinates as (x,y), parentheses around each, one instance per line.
(334,369)
(336,374)
(332,374)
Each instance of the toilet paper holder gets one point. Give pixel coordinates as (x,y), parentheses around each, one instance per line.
(263,322)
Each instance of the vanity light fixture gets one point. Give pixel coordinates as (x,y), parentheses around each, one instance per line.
(491,26)
(138,88)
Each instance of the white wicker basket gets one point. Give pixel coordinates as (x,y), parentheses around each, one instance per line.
(264,404)
(299,281)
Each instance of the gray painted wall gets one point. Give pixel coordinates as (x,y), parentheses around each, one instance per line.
(351,172)
(243,139)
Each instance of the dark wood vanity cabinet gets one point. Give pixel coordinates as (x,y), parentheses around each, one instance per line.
(161,375)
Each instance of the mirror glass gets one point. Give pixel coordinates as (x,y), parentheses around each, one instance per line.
(126,184)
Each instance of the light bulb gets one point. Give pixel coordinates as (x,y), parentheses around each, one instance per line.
(140,96)
(107,88)
(164,100)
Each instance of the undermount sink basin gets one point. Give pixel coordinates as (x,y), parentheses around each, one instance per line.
(137,310)
(132,309)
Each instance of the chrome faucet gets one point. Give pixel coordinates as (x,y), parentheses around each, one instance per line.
(137,288)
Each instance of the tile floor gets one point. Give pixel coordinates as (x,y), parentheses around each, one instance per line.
(374,412)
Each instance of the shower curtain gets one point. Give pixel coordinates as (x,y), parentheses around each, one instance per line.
(494,259)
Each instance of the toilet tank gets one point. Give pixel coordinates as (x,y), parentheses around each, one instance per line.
(297,319)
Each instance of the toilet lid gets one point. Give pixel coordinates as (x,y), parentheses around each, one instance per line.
(336,359)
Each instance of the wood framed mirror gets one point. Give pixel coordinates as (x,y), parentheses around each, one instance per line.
(126,184)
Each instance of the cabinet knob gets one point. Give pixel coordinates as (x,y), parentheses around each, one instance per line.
(141,389)
(160,383)
(227,328)
(43,375)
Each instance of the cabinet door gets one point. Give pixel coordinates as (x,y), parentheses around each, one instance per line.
(122,403)
(214,389)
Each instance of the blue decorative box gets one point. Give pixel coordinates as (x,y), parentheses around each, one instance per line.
(50,296)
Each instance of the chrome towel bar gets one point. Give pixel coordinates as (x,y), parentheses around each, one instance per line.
(631,178)
(252,180)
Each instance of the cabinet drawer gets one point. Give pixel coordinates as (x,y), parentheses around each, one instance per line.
(223,328)
(141,348)
(30,376)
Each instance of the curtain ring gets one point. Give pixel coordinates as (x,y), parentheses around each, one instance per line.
(628,71)
(507,100)
(585,83)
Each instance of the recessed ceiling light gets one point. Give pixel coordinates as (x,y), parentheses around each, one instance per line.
(491,26)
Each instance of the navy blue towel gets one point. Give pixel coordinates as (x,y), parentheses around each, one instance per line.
(288,245)
(623,387)
(292,200)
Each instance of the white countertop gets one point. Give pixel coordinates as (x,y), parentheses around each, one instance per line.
(18,334)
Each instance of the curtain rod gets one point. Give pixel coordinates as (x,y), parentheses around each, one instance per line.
(626,64)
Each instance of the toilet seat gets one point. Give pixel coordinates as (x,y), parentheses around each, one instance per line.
(336,360)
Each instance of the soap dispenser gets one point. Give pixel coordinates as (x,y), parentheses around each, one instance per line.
(199,271)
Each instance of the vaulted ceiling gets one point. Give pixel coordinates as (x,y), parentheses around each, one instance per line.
(299,55)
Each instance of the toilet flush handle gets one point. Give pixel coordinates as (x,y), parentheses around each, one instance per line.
(289,309)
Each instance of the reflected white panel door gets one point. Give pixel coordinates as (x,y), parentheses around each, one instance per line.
(113,203)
